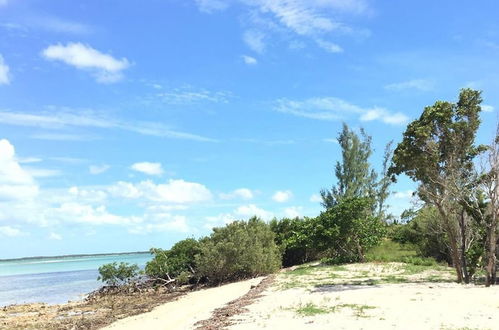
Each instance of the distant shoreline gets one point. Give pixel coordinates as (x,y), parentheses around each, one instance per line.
(73,256)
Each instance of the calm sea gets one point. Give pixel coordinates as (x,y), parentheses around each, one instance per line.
(55,280)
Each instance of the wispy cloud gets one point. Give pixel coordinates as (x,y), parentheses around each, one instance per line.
(4,72)
(243,193)
(255,40)
(487,108)
(10,231)
(332,108)
(331,47)
(249,60)
(104,67)
(98,169)
(61,119)
(62,137)
(148,168)
(190,95)
(418,84)
(59,25)
(313,19)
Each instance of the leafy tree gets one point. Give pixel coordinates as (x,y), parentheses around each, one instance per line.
(354,175)
(348,230)
(437,151)
(115,274)
(239,250)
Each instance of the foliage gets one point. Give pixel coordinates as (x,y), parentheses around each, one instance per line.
(348,230)
(424,230)
(293,238)
(437,151)
(354,174)
(115,274)
(179,260)
(239,250)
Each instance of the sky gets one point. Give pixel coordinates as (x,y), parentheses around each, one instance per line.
(127,125)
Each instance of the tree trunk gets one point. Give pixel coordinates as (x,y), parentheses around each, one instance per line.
(491,255)
(453,242)
(462,227)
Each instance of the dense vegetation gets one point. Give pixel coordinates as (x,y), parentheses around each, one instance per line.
(456,223)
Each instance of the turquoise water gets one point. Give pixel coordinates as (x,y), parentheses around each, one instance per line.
(56,279)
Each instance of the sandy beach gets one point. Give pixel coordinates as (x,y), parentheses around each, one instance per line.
(354,296)
(189,309)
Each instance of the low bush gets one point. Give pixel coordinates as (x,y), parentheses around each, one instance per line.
(116,274)
(242,249)
(176,264)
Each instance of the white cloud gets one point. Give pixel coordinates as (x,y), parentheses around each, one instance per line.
(189,95)
(15,182)
(98,169)
(42,172)
(316,198)
(62,119)
(88,214)
(293,212)
(315,19)
(29,160)
(106,68)
(384,116)
(88,195)
(330,47)
(55,236)
(418,84)
(332,108)
(148,168)
(175,191)
(408,194)
(167,223)
(4,72)
(219,220)
(331,140)
(249,60)
(247,211)
(282,196)
(209,6)
(487,108)
(62,137)
(243,193)
(10,231)
(55,24)
(255,40)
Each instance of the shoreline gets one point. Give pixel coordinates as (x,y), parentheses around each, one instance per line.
(74,256)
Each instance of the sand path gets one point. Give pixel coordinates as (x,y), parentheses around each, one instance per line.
(186,311)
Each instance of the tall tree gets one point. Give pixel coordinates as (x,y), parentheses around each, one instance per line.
(437,151)
(354,174)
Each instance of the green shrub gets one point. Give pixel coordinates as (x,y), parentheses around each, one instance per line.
(115,274)
(242,249)
(294,239)
(347,230)
(177,263)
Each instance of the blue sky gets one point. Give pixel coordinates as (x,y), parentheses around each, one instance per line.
(127,125)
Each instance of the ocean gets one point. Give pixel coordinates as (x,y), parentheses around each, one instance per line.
(56,280)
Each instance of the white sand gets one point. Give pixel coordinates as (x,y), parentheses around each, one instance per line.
(396,306)
(186,311)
